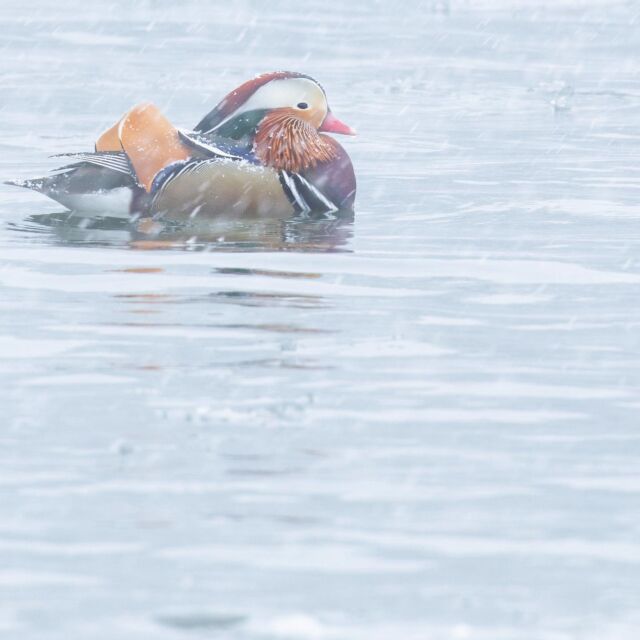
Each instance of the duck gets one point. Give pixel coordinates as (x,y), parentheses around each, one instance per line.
(263,150)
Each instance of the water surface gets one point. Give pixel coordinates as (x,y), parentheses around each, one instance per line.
(421,423)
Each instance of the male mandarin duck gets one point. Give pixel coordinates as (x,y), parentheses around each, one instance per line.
(261,151)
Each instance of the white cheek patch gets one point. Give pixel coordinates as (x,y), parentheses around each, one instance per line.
(287,92)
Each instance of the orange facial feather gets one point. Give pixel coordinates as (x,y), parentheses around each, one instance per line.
(286,142)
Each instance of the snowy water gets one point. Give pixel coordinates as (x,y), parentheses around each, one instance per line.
(420,424)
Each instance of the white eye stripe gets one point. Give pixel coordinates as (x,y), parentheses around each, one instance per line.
(287,92)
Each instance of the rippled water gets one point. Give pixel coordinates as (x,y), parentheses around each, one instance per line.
(420,424)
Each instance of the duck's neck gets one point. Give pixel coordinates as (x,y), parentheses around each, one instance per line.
(285,142)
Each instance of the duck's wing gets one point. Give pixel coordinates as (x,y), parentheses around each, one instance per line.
(92,181)
(214,146)
(116,161)
(88,172)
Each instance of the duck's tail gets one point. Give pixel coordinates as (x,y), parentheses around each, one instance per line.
(41,185)
(93,182)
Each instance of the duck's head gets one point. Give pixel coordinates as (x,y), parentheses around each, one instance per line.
(282,115)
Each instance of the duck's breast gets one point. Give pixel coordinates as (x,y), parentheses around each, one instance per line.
(335,179)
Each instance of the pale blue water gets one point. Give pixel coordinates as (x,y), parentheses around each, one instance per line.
(419,425)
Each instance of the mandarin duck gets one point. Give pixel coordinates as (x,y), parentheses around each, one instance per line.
(261,151)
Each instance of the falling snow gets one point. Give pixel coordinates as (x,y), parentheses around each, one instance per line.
(419,423)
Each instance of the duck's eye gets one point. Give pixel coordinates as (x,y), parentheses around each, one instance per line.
(302,105)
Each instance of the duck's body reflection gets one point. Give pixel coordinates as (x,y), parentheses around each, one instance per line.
(291,233)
